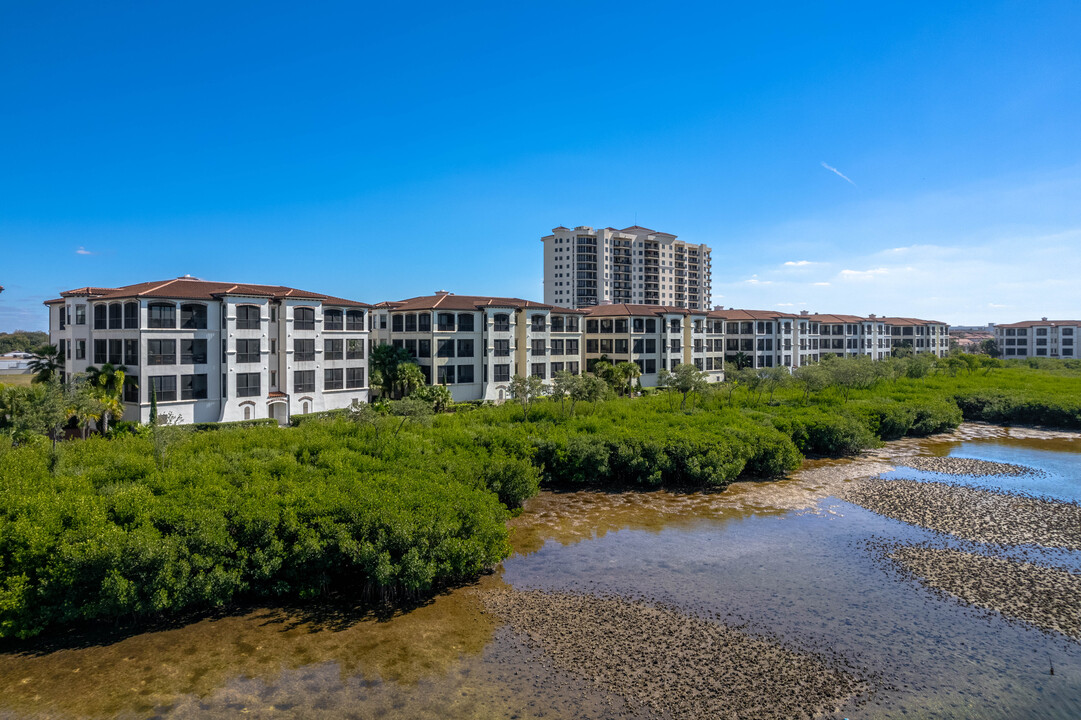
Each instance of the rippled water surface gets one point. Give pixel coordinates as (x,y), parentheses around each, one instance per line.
(783,559)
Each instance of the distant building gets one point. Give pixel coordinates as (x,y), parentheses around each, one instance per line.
(585,267)
(217,351)
(1038,338)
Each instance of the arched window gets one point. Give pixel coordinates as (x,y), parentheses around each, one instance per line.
(305,408)
(502,322)
(131,316)
(161,315)
(101,314)
(248,317)
(354,320)
(303,318)
(116,315)
(247,413)
(332,320)
(193,316)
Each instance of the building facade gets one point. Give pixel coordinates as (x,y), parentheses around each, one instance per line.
(475,344)
(217,352)
(1039,338)
(654,338)
(584,267)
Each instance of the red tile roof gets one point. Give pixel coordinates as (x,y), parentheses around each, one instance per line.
(189,288)
(638,229)
(450,301)
(734,314)
(908,321)
(629,309)
(832,318)
(1036,323)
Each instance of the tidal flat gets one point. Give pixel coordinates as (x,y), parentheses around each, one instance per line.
(787,569)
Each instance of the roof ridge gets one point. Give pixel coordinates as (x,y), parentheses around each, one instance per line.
(165,283)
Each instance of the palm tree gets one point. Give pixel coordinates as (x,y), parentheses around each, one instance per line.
(46,363)
(409,378)
(85,405)
(385,359)
(108,382)
(630,372)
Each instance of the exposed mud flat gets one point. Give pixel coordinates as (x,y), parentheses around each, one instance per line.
(966,466)
(673,664)
(1047,597)
(970,513)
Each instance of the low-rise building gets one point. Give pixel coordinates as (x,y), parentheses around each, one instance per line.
(921,336)
(758,338)
(1038,338)
(217,351)
(474,344)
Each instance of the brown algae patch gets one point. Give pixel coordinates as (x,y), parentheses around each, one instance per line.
(973,514)
(674,664)
(1049,598)
(966,466)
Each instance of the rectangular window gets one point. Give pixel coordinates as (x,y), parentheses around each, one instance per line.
(675,346)
(592,347)
(571,347)
(607,325)
(160,315)
(621,325)
(557,347)
(424,349)
(116,317)
(465,373)
(572,324)
(411,347)
(538,370)
(606,346)
(465,322)
(354,349)
(445,375)
(161,352)
(131,352)
(193,387)
(248,317)
(650,366)
(573,368)
(537,347)
(411,322)
(101,314)
(333,349)
(303,318)
(80,349)
(501,373)
(101,352)
(501,348)
(465,347)
(445,322)
(445,349)
(333,379)
(638,346)
(116,352)
(131,388)
(164,387)
(537,323)
(557,367)
(354,320)
(193,352)
(651,325)
(304,351)
(304,381)
(80,314)
(621,347)
(501,323)
(397,323)
(248,351)
(354,378)
(592,326)
(557,323)
(247,384)
(424,322)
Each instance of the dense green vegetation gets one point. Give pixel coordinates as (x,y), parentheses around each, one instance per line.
(389,501)
(22,340)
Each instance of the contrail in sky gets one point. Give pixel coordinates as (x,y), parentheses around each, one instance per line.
(841,174)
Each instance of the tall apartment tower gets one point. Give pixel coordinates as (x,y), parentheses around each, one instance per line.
(584,267)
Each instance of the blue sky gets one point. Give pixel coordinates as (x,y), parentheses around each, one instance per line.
(383,152)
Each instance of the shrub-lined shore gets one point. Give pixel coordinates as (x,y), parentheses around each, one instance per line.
(391,505)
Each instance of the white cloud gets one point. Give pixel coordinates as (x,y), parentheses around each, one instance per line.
(863,274)
(839,173)
(785,304)
(799,263)
(84,251)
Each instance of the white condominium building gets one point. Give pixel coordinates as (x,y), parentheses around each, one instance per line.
(585,267)
(217,351)
(1039,338)
(654,338)
(474,344)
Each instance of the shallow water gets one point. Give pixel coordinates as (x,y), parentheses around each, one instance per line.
(784,558)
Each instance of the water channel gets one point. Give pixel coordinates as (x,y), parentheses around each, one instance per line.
(786,560)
